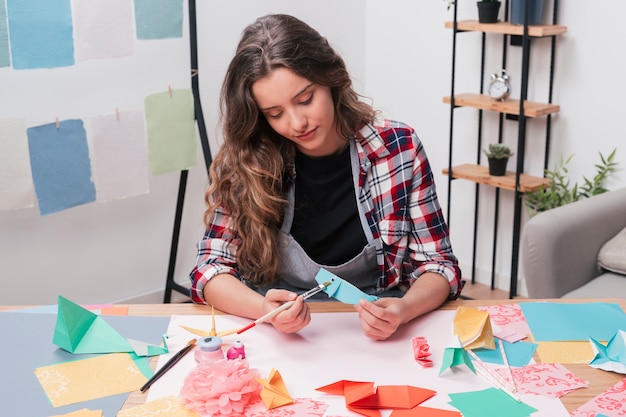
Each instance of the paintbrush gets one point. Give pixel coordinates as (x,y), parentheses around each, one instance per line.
(169,364)
(284,306)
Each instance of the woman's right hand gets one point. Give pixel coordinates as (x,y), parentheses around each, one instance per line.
(293,318)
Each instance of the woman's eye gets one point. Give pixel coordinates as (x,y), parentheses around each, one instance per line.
(307,101)
(275,115)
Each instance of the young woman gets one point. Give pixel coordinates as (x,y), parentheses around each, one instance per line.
(306,178)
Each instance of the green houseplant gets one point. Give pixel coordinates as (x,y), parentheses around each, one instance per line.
(498,155)
(561,191)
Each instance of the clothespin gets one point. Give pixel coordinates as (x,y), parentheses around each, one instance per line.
(117,114)
(194,72)
(169,89)
(57,122)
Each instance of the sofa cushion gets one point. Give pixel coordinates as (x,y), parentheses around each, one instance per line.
(612,255)
(607,285)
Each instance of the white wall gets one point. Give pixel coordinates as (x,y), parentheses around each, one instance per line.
(399,53)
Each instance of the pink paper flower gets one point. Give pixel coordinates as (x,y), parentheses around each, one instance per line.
(221,388)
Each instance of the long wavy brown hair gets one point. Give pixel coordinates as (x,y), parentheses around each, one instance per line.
(247,176)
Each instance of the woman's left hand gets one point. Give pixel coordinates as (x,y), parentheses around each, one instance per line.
(381,318)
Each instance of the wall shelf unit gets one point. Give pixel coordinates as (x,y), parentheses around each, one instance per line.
(516,109)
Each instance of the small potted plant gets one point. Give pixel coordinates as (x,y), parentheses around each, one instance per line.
(498,156)
(488,11)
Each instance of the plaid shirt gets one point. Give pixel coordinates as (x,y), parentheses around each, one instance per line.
(397,193)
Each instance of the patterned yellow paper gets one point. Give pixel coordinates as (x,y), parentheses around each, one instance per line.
(565,352)
(88,379)
(85,412)
(164,407)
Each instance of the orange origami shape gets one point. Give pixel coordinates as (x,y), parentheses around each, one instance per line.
(274,393)
(365,399)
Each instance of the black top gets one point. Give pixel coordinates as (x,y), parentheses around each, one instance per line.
(326,220)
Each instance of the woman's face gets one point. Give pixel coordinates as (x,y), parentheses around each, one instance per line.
(300,111)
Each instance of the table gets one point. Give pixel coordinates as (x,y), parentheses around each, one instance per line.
(599,380)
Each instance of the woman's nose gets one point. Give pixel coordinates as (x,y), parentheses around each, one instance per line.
(299,121)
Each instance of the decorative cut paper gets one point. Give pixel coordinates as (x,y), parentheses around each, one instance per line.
(363,398)
(82,413)
(611,403)
(301,407)
(340,289)
(421,351)
(88,379)
(611,357)
(548,379)
(163,407)
(473,328)
(508,322)
(274,393)
(79,330)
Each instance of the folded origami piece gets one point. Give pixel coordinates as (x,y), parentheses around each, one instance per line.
(366,399)
(274,393)
(611,357)
(340,289)
(78,330)
(454,355)
(421,351)
(473,328)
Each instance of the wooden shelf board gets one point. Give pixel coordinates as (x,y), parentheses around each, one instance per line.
(509,106)
(480,174)
(506,28)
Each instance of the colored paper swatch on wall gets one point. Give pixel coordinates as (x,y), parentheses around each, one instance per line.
(5,57)
(120,153)
(104,29)
(16,183)
(159,19)
(40,33)
(61,169)
(171,131)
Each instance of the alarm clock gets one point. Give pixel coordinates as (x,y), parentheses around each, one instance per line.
(500,87)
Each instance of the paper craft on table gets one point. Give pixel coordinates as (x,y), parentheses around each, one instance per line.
(163,407)
(474,404)
(85,412)
(611,357)
(508,322)
(421,351)
(420,411)
(454,355)
(88,379)
(274,393)
(548,379)
(340,289)
(573,321)
(610,403)
(473,328)
(518,353)
(79,330)
(565,352)
(363,398)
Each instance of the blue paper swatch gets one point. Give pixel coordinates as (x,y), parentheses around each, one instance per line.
(159,19)
(41,33)
(59,159)
(5,58)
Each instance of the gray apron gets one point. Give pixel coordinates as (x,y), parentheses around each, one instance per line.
(297,270)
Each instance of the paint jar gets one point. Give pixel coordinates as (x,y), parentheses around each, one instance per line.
(236,351)
(208,349)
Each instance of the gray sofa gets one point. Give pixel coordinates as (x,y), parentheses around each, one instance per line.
(577,250)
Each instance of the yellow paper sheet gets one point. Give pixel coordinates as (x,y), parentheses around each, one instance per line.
(87,379)
(565,352)
(163,407)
